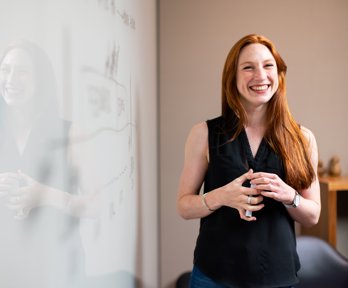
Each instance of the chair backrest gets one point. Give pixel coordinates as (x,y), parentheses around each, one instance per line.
(183,280)
(321,265)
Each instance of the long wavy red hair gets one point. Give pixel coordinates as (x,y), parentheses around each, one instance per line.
(283,134)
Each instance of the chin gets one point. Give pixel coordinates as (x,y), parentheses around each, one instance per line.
(13,101)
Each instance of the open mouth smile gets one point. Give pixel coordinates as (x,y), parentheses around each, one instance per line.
(260,87)
(13,90)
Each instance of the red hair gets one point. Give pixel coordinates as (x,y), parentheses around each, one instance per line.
(283,134)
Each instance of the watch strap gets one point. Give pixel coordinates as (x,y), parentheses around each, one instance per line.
(295,201)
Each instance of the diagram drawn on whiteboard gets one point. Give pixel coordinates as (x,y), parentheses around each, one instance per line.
(103,138)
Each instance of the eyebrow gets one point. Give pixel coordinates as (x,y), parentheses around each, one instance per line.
(251,62)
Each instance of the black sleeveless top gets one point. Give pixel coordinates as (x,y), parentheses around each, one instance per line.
(233,251)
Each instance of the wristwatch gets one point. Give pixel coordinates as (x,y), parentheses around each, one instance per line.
(296,202)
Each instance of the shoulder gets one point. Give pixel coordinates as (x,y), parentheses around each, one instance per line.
(198,132)
(308,134)
(201,129)
(197,141)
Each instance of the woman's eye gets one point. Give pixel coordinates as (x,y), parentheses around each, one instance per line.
(4,70)
(23,72)
(269,65)
(247,68)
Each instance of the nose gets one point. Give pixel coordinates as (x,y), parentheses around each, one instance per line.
(11,75)
(260,73)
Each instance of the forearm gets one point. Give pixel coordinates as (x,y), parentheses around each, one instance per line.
(195,206)
(307,213)
(78,206)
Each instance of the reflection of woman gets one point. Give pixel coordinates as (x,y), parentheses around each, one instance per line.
(33,172)
(30,123)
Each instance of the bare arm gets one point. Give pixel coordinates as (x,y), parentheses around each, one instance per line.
(189,204)
(308,212)
(35,194)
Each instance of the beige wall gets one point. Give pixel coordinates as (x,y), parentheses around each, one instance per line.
(195,37)
(146,102)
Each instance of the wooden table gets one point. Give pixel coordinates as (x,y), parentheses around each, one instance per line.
(326,228)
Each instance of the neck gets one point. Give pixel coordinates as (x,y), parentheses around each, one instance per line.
(256,118)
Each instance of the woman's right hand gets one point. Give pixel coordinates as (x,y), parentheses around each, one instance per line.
(235,195)
(8,183)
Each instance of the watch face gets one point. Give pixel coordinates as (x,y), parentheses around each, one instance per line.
(297,200)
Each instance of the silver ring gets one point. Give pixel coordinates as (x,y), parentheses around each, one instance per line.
(249,199)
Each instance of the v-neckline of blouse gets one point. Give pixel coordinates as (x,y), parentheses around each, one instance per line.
(253,160)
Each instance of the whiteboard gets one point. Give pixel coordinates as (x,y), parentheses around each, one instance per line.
(93,46)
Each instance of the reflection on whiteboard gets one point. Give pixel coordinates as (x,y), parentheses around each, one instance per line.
(67,158)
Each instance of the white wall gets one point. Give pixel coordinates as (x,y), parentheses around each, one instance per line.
(195,37)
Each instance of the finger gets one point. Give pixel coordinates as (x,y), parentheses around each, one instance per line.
(269,194)
(260,181)
(9,181)
(14,199)
(242,214)
(251,191)
(255,200)
(263,178)
(254,208)
(18,192)
(7,189)
(4,187)
(250,209)
(244,177)
(264,187)
(263,175)
(22,214)
(14,206)
(271,185)
(8,177)
(248,216)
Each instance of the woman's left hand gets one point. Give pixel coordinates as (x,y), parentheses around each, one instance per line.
(272,186)
(28,195)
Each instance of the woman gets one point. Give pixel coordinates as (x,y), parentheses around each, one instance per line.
(34,173)
(31,150)
(258,167)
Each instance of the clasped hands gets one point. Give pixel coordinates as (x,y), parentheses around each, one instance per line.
(22,193)
(250,198)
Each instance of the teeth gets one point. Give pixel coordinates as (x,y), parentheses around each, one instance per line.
(260,88)
(12,90)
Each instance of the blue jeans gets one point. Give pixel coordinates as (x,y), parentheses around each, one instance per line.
(199,280)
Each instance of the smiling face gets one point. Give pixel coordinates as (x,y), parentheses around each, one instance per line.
(257,76)
(17,77)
